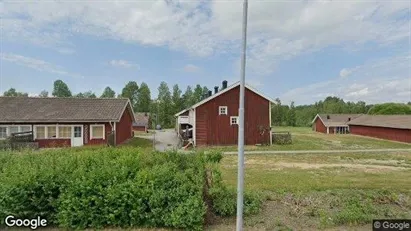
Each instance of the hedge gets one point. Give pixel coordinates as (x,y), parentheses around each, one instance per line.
(111,187)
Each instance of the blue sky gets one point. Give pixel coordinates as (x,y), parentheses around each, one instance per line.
(298,51)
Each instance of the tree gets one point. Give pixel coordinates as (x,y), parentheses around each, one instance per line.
(14,93)
(108,93)
(165,105)
(291,117)
(61,89)
(276,113)
(143,99)
(188,99)
(44,93)
(390,109)
(177,99)
(205,91)
(198,94)
(130,91)
(87,94)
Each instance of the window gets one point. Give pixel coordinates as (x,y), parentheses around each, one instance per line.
(3,132)
(77,132)
(222,110)
(97,132)
(13,129)
(25,128)
(40,132)
(64,132)
(233,120)
(51,132)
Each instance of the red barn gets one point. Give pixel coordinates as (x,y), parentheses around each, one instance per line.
(59,122)
(214,120)
(333,123)
(141,121)
(389,127)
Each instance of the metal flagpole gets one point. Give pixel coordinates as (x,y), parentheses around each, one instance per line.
(240,179)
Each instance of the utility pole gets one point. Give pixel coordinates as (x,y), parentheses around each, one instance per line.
(240,178)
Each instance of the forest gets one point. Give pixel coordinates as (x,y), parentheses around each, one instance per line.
(170,101)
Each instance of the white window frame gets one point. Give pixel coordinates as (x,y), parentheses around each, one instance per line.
(231,120)
(7,131)
(19,126)
(97,125)
(65,126)
(222,107)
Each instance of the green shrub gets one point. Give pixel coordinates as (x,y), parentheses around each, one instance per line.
(225,201)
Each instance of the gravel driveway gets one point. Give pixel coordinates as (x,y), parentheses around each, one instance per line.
(166,139)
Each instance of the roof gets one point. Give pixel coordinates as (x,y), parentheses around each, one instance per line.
(141,119)
(388,121)
(222,92)
(336,119)
(37,110)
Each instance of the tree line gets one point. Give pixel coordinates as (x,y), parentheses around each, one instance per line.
(169,102)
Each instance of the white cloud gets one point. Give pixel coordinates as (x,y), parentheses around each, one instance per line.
(191,68)
(122,63)
(378,81)
(278,30)
(37,64)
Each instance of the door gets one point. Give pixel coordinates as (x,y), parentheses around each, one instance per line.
(77,137)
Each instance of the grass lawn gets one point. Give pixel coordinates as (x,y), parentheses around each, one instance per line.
(319,191)
(306,139)
(139,142)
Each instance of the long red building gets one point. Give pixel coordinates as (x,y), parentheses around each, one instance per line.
(389,127)
(214,120)
(57,122)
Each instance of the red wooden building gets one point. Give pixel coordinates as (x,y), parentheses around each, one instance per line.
(59,122)
(333,123)
(141,121)
(389,127)
(214,120)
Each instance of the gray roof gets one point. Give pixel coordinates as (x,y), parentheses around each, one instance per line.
(37,110)
(388,121)
(141,119)
(334,120)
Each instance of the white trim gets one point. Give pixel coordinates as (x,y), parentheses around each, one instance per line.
(222,92)
(328,130)
(19,126)
(34,129)
(72,135)
(133,119)
(271,134)
(97,125)
(7,131)
(231,120)
(194,128)
(318,115)
(222,107)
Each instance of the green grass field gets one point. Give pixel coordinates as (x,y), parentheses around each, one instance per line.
(306,139)
(320,191)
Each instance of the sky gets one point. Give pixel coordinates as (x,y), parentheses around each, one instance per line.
(301,51)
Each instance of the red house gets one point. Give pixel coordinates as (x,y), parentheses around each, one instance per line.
(214,120)
(67,121)
(389,127)
(141,121)
(333,123)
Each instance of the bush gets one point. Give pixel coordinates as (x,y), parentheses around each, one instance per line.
(282,138)
(95,188)
(225,201)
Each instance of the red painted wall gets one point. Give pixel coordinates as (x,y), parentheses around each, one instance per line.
(319,126)
(86,134)
(139,128)
(54,143)
(124,127)
(215,129)
(401,135)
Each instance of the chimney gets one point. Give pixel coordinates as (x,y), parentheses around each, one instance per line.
(145,114)
(328,117)
(215,89)
(224,84)
(349,118)
(210,93)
